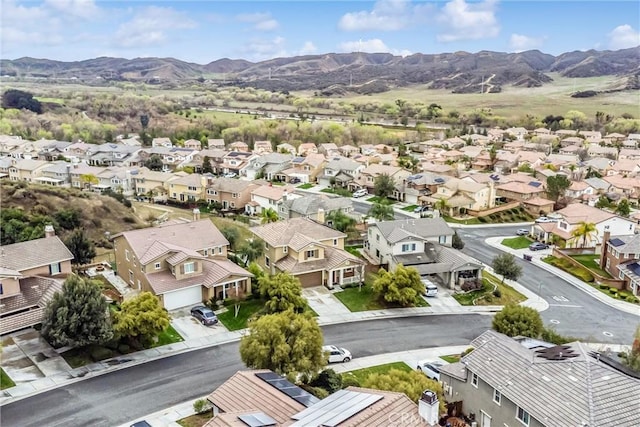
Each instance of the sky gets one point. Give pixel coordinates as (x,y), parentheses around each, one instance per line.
(205,30)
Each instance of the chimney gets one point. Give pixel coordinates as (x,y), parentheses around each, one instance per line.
(196,214)
(321,216)
(429,407)
(603,249)
(49,231)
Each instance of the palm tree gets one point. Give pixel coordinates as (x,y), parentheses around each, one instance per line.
(381,211)
(585,231)
(268,216)
(442,206)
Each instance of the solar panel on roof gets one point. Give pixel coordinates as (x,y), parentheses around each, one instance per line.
(288,388)
(616,242)
(635,267)
(535,184)
(257,419)
(266,376)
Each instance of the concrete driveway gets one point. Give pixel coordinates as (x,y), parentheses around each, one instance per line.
(190,327)
(323,302)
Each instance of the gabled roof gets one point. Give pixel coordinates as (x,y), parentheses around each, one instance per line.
(281,233)
(627,244)
(575,213)
(34,253)
(423,228)
(308,205)
(230,185)
(333,257)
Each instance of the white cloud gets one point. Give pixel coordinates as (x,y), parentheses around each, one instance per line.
(370,46)
(260,21)
(77,8)
(308,48)
(520,43)
(150,26)
(259,49)
(623,36)
(386,15)
(468,21)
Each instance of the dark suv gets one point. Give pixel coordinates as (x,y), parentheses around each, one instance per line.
(205,315)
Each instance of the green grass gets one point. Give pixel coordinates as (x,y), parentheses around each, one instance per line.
(376,199)
(247,310)
(409,208)
(362,374)
(470,220)
(364,300)
(484,296)
(353,250)
(581,273)
(592,262)
(520,242)
(452,358)
(305,186)
(196,420)
(168,336)
(5,381)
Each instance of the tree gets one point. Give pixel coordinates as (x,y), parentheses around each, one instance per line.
(232,235)
(584,231)
(286,343)
(340,221)
(154,162)
(514,320)
(443,206)
(269,216)
(457,242)
(382,211)
(77,316)
(623,208)
(282,292)
(556,186)
(237,295)
(89,180)
(411,383)
(251,250)
(206,165)
(632,357)
(402,286)
(383,186)
(506,266)
(19,99)
(81,247)
(140,319)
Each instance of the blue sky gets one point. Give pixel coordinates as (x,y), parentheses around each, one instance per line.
(206,30)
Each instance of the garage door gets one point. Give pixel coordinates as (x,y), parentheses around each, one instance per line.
(183,298)
(311,279)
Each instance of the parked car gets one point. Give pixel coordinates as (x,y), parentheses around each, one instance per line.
(294,181)
(421,209)
(431,369)
(337,354)
(205,315)
(360,193)
(230,175)
(545,219)
(430,289)
(522,232)
(538,246)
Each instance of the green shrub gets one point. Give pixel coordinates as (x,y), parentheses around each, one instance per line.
(200,406)
(113,344)
(550,335)
(603,286)
(482,219)
(582,274)
(328,380)
(631,298)
(124,348)
(613,290)
(99,353)
(497,293)
(467,351)
(350,381)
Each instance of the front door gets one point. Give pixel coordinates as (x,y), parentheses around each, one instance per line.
(225,204)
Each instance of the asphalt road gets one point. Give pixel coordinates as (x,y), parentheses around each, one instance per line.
(571,311)
(121,396)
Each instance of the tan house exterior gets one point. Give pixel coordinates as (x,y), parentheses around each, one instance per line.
(27,170)
(312,252)
(520,191)
(188,188)
(369,174)
(182,264)
(147,182)
(230,193)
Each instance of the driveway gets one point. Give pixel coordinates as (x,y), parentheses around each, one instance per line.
(190,327)
(322,301)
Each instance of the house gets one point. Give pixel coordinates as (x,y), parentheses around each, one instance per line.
(314,206)
(416,186)
(147,182)
(55,173)
(312,252)
(518,133)
(187,188)
(215,144)
(303,169)
(286,148)
(267,166)
(110,154)
(27,170)
(329,149)
(173,158)
(424,244)
(369,174)
(307,148)
(229,193)
(53,150)
(579,189)
(268,197)
(619,257)
(84,176)
(262,147)
(463,195)
(522,381)
(538,205)
(5,164)
(629,153)
(236,162)
(596,150)
(572,216)
(216,159)
(161,142)
(30,273)
(625,167)
(340,172)
(240,146)
(591,135)
(628,188)
(264,398)
(193,144)
(520,191)
(182,264)
(117,179)
(348,150)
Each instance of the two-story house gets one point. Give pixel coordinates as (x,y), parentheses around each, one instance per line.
(369,174)
(236,162)
(340,172)
(424,244)
(27,170)
(215,156)
(312,252)
(521,191)
(240,146)
(304,169)
(267,166)
(620,257)
(286,148)
(269,197)
(172,157)
(56,173)
(231,194)
(53,150)
(463,196)
(188,188)
(526,382)
(110,154)
(84,176)
(262,147)
(314,206)
(161,142)
(30,273)
(153,184)
(182,264)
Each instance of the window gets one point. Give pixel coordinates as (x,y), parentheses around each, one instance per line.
(442,240)
(377,253)
(522,416)
(189,267)
(55,268)
(497,396)
(608,262)
(335,242)
(233,204)
(266,261)
(621,275)
(157,266)
(407,247)
(126,254)
(310,254)
(220,249)
(191,188)
(234,195)
(474,380)
(377,237)
(206,252)
(131,277)
(285,249)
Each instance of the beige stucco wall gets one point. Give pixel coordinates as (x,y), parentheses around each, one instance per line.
(10,287)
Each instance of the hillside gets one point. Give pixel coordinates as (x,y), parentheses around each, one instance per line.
(65,208)
(460,72)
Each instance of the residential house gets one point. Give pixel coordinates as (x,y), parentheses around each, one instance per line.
(505,161)
(348,150)
(267,166)
(463,196)
(572,140)
(316,207)
(5,164)
(513,146)
(628,188)
(629,153)
(307,148)
(414,187)
(240,146)
(173,158)
(578,189)
(625,167)
(596,150)
(369,174)
(591,135)
(612,138)
(542,131)
(134,141)
(522,381)
(562,133)
(216,159)
(538,205)
(312,252)
(161,142)
(437,169)
(570,150)
(30,273)
(78,151)
(532,159)
(188,188)
(560,162)
(340,172)
(27,170)
(193,144)
(264,398)
(520,191)
(53,150)
(329,149)
(518,133)
(268,197)
(236,162)
(215,144)
(262,147)
(155,184)
(575,214)
(482,161)
(56,174)
(601,165)
(304,169)
(182,264)
(9,144)
(84,176)
(424,244)
(110,154)
(619,257)
(286,148)
(229,193)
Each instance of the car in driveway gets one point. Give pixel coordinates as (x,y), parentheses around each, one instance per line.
(522,232)
(360,193)
(205,315)
(538,246)
(337,354)
(230,175)
(431,368)
(430,289)
(545,219)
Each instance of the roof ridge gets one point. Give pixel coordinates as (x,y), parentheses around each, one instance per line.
(588,374)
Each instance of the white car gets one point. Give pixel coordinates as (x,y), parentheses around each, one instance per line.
(430,289)
(360,193)
(337,354)
(431,368)
(230,175)
(545,219)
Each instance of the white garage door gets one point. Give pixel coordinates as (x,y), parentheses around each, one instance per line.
(183,298)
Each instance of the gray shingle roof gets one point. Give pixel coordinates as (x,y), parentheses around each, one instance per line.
(395,231)
(556,393)
(282,232)
(631,243)
(310,204)
(34,253)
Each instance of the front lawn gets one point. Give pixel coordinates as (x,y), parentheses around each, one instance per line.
(470,220)
(353,250)
(410,208)
(5,381)
(451,358)
(306,186)
(362,374)
(520,242)
(592,262)
(376,199)
(247,310)
(487,296)
(168,336)
(197,420)
(364,300)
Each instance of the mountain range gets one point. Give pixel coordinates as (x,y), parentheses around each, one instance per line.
(336,73)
